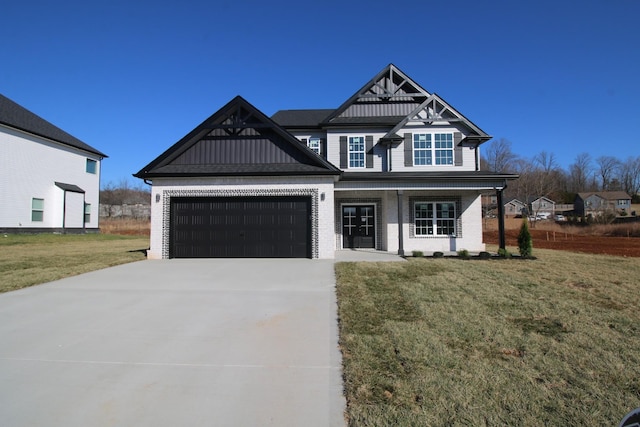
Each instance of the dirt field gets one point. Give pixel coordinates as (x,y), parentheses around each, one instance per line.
(549,235)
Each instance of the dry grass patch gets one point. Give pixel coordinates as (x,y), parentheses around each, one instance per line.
(552,341)
(27,260)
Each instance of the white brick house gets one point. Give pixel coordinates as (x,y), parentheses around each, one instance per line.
(394,168)
(49,180)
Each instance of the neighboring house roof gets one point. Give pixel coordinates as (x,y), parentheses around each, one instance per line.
(534,199)
(606,195)
(237,140)
(515,202)
(18,117)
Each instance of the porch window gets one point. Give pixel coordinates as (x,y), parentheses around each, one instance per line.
(435,218)
(314,144)
(37,210)
(356,152)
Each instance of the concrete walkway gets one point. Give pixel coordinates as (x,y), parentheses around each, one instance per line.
(175,343)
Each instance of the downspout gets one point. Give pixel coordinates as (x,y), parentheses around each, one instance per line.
(400,225)
(64,210)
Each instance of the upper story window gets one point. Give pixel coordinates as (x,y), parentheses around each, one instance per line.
(433,149)
(37,210)
(314,144)
(92,166)
(356,152)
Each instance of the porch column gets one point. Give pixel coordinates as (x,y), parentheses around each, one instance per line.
(501,238)
(400,225)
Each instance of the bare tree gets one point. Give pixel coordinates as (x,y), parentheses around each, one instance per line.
(607,169)
(630,175)
(499,157)
(580,173)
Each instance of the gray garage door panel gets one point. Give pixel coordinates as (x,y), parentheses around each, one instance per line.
(240,227)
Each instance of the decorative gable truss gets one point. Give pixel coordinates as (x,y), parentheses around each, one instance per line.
(237,139)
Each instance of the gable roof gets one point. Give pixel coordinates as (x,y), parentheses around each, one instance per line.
(237,140)
(15,116)
(606,195)
(297,119)
(385,99)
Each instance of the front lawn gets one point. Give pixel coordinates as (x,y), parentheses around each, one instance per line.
(440,342)
(30,259)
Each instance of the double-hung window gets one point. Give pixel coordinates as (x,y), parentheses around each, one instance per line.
(433,149)
(87,213)
(37,210)
(434,218)
(422,149)
(356,152)
(314,144)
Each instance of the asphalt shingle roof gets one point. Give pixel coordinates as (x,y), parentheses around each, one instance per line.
(15,116)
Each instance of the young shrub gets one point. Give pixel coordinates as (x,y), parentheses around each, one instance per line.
(525,244)
(417,254)
(463,253)
(504,253)
(438,254)
(484,255)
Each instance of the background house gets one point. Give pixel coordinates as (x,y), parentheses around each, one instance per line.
(602,202)
(394,168)
(49,180)
(514,207)
(542,207)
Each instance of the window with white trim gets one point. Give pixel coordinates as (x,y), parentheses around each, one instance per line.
(436,148)
(314,144)
(87,213)
(356,152)
(434,218)
(37,210)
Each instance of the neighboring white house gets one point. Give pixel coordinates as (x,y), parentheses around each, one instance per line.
(49,180)
(394,168)
(542,207)
(514,207)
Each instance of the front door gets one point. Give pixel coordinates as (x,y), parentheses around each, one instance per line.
(358,226)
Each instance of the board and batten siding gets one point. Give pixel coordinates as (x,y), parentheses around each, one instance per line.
(29,168)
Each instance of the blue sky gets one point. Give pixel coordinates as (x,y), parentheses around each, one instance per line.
(133,77)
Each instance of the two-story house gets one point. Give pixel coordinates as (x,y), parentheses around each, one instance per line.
(394,168)
(602,202)
(49,179)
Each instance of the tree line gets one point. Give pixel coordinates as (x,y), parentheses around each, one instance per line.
(125,193)
(543,176)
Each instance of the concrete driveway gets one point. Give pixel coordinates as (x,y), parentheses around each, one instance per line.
(175,343)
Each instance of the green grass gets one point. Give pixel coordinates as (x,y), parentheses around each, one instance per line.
(445,342)
(27,260)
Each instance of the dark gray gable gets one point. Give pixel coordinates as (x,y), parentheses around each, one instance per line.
(386,99)
(300,119)
(18,117)
(237,140)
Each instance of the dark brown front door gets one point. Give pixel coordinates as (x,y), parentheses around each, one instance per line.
(358,226)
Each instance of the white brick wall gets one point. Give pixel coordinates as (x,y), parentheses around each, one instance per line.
(209,186)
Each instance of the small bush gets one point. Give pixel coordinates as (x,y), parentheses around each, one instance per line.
(438,254)
(525,244)
(463,253)
(504,253)
(484,255)
(417,254)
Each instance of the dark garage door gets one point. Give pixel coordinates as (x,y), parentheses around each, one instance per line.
(240,227)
